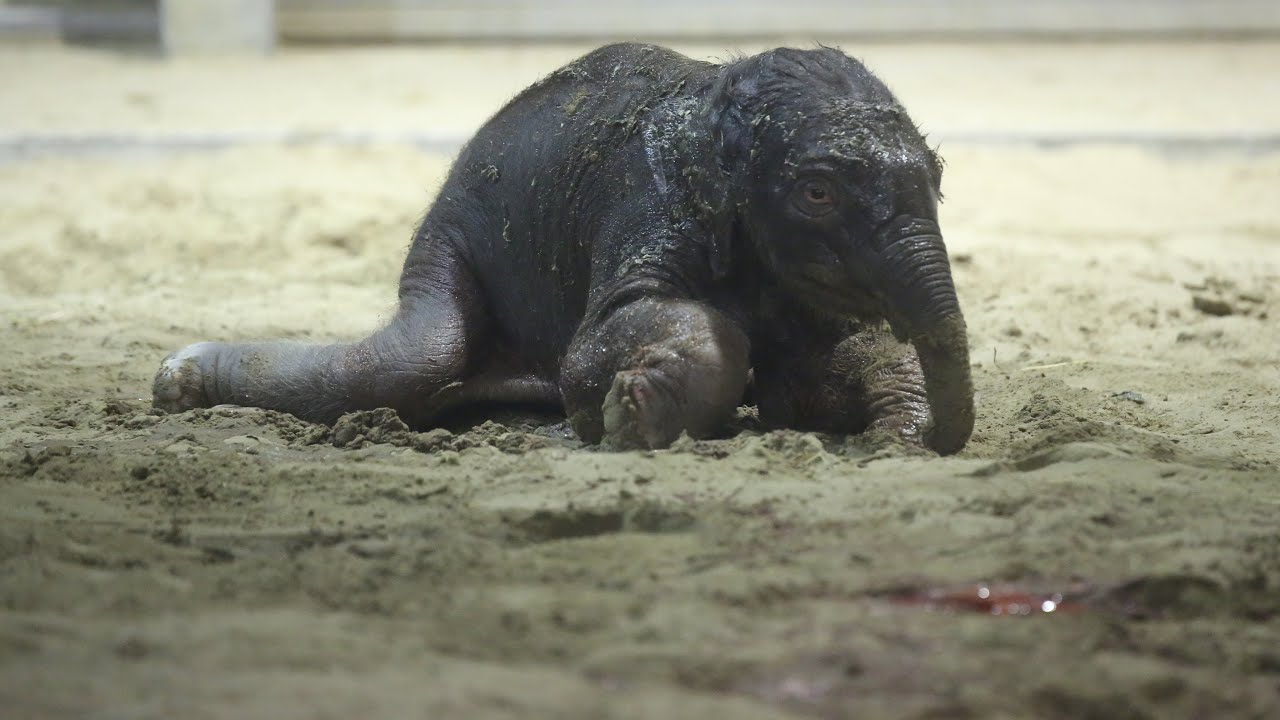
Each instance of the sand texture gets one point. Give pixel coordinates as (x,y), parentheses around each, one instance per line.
(1124,308)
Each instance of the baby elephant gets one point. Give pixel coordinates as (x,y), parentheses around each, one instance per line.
(636,236)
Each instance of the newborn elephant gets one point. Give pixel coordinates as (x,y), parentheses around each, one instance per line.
(636,236)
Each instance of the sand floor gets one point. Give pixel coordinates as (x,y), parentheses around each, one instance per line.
(1124,305)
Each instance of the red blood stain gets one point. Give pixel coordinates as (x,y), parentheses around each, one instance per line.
(987,600)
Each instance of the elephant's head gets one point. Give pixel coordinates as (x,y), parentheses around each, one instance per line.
(834,189)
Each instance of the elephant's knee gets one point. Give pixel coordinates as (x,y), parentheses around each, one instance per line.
(654,369)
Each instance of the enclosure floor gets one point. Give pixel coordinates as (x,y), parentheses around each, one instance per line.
(1124,308)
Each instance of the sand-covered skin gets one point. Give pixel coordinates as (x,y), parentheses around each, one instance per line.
(1124,306)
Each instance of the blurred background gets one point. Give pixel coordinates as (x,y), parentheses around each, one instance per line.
(427,72)
(250,22)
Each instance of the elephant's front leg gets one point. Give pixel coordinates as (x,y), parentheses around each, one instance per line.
(652,369)
(866,381)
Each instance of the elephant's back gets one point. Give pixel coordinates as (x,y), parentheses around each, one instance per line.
(526,196)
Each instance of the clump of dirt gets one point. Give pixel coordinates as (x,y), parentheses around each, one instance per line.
(526,438)
(366,427)
(1221,297)
(384,427)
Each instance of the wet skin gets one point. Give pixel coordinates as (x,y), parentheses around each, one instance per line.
(635,236)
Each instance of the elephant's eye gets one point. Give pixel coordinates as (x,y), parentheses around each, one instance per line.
(817,196)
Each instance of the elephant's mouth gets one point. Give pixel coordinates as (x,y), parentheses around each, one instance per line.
(830,292)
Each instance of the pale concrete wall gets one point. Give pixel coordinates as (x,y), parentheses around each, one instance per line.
(217,26)
(203,26)
(28,24)
(443,19)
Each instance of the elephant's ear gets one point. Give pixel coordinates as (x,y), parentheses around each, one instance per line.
(721,171)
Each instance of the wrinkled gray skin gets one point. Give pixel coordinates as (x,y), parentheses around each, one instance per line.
(633,235)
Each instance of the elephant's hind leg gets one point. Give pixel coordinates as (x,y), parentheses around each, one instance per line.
(409,365)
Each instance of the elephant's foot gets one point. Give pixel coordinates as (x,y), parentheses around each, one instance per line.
(652,370)
(180,382)
(642,409)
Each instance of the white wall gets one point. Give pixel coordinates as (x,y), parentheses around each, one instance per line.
(409,19)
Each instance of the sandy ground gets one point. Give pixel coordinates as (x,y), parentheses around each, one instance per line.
(1124,304)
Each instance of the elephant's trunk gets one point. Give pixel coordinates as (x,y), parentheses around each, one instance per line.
(923,306)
